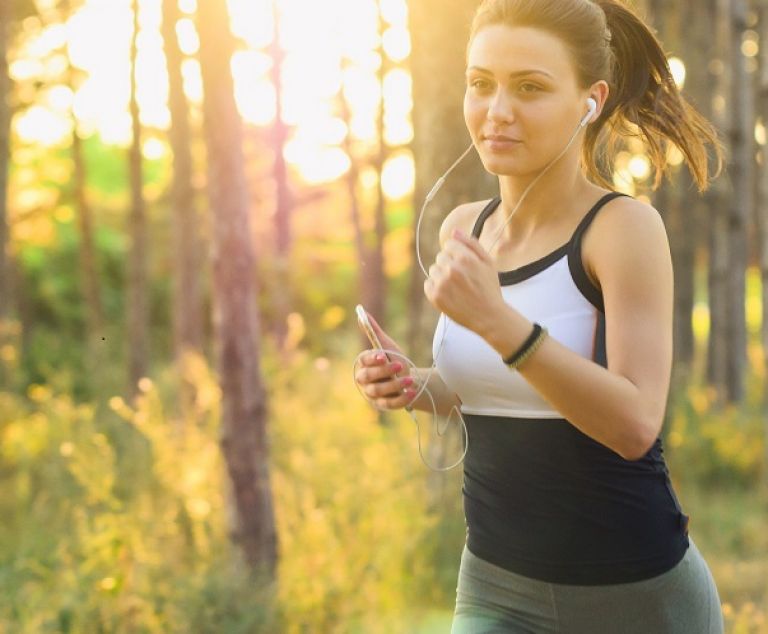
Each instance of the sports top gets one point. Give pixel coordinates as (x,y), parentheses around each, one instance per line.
(541,498)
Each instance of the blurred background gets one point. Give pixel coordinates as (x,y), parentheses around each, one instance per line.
(193,197)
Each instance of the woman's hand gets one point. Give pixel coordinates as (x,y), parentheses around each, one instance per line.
(463,283)
(387,383)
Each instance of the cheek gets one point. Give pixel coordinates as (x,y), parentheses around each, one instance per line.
(474,111)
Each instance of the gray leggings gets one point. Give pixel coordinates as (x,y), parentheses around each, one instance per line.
(492,600)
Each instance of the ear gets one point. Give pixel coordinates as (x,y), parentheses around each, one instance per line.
(599,92)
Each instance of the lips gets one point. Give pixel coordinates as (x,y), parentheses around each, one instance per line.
(500,138)
(500,143)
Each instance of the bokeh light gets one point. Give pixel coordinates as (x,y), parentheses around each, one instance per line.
(330,51)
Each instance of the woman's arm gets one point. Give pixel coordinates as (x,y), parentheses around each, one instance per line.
(622,406)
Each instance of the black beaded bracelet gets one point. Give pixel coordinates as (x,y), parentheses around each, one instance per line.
(532,338)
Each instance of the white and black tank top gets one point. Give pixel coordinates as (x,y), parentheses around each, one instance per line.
(541,498)
(553,291)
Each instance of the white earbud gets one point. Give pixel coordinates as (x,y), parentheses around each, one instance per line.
(592,104)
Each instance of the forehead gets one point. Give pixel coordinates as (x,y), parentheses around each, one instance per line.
(504,50)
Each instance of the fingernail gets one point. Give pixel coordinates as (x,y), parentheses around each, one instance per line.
(379,357)
(396,367)
(408,380)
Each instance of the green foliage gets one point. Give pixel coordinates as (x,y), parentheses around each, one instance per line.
(117,521)
(351,504)
(719,445)
(96,541)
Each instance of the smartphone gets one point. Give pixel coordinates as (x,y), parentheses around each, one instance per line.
(365,324)
(362,318)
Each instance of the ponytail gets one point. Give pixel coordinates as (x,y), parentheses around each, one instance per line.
(644,101)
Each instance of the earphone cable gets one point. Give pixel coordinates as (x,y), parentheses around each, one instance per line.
(412,366)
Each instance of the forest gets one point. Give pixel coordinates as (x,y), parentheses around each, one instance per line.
(194,196)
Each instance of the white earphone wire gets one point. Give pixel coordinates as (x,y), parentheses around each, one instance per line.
(412,366)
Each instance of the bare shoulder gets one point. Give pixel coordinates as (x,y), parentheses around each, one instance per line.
(626,228)
(462,217)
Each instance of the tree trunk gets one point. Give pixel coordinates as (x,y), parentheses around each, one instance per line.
(5,133)
(244,409)
(188,244)
(718,220)
(440,137)
(739,210)
(283,199)
(89,274)
(374,278)
(762,225)
(89,270)
(677,218)
(137,275)
(351,182)
(701,33)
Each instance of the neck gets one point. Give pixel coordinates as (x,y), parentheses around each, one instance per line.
(548,201)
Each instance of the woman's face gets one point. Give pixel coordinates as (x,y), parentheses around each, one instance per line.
(521,84)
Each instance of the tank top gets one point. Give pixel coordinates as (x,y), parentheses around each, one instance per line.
(541,498)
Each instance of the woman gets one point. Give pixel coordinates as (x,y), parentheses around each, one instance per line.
(560,351)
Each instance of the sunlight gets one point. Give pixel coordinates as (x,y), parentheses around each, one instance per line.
(41,125)
(640,167)
(23,69)
(193,80)
(188,6)
(397,178)
(330,53)
(397,107)
(60,98)
(186,33)
(153,149)
(760,136)
(252,21)
(255,98)
(394,11)
(677,66)
(397,43)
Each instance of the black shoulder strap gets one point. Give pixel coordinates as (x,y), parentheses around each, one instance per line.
(587,220)
(579,275)
(489,209)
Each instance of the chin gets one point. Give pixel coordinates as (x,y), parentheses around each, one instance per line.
(503,167)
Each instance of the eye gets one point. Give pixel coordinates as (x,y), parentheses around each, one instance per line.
(528,87)
(479,84)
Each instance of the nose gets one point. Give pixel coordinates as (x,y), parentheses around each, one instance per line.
(500,108)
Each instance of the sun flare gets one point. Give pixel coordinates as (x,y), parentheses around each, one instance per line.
(322,60)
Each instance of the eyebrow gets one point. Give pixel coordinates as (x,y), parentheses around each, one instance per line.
(531,71)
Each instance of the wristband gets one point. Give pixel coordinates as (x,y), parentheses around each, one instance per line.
(530,345)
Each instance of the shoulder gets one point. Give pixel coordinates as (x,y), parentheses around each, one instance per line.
(626,235)
(462,217)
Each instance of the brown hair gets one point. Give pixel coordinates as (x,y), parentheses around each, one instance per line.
(609,41)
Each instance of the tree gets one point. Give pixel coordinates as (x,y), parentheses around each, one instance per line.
(373,289)
(762,222)
(717,351)
(188,243)
(284,199)
(236,328)
(5,134)
(138,320)
(741,135)
(440,136)
(89,272)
